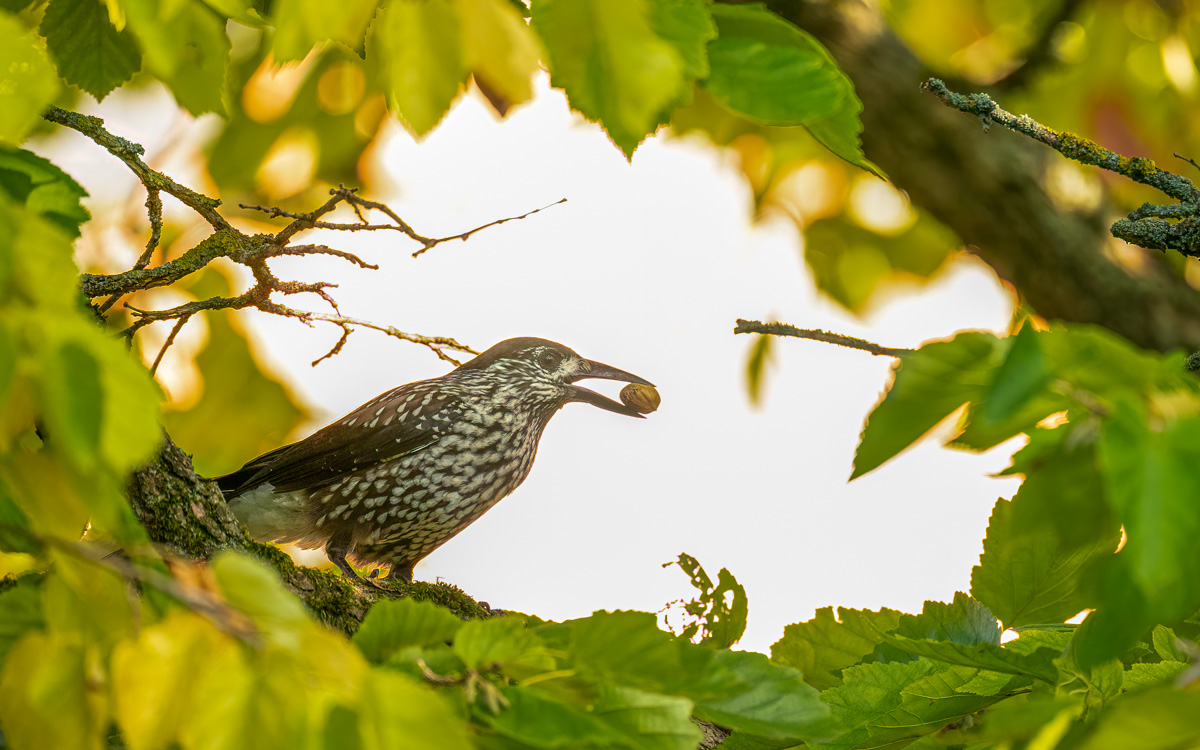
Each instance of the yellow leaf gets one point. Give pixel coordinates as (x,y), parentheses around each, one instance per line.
(51,695)
(502,51)
(154,676)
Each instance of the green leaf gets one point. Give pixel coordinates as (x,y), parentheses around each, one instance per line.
(394,625)
(417,46)
(1151,480)
(884,703)
(648,721)
(756,367)
(823,646)
(302,24)
(929,384)
(255,589)
(73,400)
(46,700)
(627,648)
(13,522)
(409,716)
(36,265)
(88,51)
(45,189)
(503,641)
(854,265)
(1155,719)
(1022,374)
(724,621)
(615,68)
(537,720)
(964,621)
(1140,676)
(767,700)
(185,45)
(1166,644)
(983,655)
(1026,575)
(28,83)
(769,71)
(20,611)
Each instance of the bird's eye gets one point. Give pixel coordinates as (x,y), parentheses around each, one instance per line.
(548,359)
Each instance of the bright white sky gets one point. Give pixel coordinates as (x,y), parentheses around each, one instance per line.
(645,268)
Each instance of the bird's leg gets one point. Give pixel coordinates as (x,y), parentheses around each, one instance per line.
(336,550)
(400,573)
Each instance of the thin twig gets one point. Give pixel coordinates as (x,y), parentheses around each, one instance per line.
(783,329)
(154,210)
(497,222)
(179,324)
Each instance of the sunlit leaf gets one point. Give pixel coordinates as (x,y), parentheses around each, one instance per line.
(502,51)
(412,716)
(256,590)
(87,50)
(648,721)
(302,24)
(503,642)
(185,45)
(28,82)
(1027,574)
(418,49)
(394,625)
(614,67)
(929,384)
(20,611)
(823,646)
(46,700)
(771,700)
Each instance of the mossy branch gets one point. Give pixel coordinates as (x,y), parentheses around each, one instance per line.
(1146,226)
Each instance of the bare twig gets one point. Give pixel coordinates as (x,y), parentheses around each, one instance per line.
(1145,226)
(783,329)
(170,340)
(497,222)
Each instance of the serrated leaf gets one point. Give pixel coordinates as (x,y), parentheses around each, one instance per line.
(1154,719)
(1151,481)
(88,51)
(394,625)
(771,700)
(627,648)
(502,51)
(984,655)
(614,67)
(417,46)
(1027,575)
(769,71)
(185,45)
(1023,372)
(1140,676)
(302,24)
(964,621)
(647,721)
(929,385)
(28,82)
(503,641)
(884,703)
(824,645)
(43,188)
(1166,644)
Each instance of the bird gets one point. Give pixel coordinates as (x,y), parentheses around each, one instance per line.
(393,480)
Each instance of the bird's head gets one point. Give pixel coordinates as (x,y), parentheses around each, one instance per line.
(543,372)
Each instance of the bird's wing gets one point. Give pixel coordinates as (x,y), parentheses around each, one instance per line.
(399,422)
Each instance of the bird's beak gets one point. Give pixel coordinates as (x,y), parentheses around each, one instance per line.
(592,369)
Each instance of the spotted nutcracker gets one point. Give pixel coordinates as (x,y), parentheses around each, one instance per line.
(400,475)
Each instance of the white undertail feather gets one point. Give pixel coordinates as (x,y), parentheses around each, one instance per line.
(276,517)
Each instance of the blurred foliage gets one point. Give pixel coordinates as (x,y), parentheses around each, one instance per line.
(257,411)
(1104,522)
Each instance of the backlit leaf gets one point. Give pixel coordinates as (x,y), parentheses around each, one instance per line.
(28,82)
(394,625)
(45,189)
(87,50)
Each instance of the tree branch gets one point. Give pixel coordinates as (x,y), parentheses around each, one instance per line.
(828,337)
